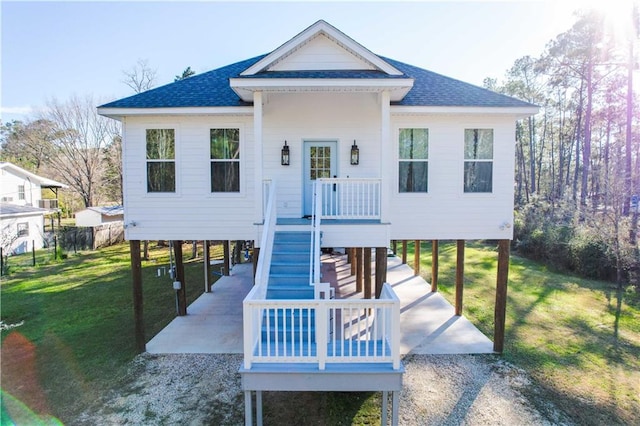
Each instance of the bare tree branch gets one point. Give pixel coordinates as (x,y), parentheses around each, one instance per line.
(140,77)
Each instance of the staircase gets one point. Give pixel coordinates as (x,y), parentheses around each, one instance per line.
(289,331)
(289,273)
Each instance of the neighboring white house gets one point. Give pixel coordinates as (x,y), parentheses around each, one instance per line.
(94,216)
(369,148)
(21,227)
(22,208)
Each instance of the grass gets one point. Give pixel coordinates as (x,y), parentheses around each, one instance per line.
(579,339)
(77,317)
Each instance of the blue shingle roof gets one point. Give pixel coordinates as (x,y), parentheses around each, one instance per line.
(212,89)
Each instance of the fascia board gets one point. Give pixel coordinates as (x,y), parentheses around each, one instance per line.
(119,113)
(245,87)
(40,180)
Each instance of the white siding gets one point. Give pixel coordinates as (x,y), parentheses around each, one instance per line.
(318,117)
(88,218)
(320,53)
(192,212)
(446,212)
(23,244)
(9,183)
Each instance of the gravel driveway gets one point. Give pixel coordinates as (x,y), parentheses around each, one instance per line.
(205,390)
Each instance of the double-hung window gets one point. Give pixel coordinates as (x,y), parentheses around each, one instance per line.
(478,160)
(161,160)
(225,160)
(21,195)
(413,157)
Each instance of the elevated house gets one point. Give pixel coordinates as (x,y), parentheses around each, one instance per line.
(23,210)
(320,143)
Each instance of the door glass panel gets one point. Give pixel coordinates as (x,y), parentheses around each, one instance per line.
(320,162)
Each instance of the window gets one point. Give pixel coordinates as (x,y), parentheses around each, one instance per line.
(413,158)
(20,192)
(161,164)
(23,229)
(478,160)
(225,160)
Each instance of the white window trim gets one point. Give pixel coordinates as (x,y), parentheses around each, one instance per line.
(243,154)
(396,179)
(176,160)
(480,160)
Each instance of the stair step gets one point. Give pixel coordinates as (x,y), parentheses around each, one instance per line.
(301,293)
(290,257)
(288,280)
(297,270)
(293,236)
(289,247)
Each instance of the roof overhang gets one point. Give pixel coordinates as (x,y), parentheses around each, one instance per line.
(40,180)
(517,112)
(120,113)
(245,87)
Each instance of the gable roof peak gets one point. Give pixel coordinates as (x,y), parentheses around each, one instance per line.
(322,27)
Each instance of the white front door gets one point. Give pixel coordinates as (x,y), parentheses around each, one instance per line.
(319,162)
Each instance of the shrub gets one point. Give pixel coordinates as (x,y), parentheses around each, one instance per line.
(553,235)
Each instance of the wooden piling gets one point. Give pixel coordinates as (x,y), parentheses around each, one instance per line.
(416,258)
(434,265)
(181,293)
(501,295)
(366,261)
(359,271)
(381,269)
(459,276)
(136,274)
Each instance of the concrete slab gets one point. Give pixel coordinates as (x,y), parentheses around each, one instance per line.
(213,323)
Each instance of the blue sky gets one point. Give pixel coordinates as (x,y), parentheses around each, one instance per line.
(60,49)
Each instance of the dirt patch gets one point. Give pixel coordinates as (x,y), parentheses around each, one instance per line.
(206,389)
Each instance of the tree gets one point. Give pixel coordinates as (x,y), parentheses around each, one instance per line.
(27,145)
(112,177)
(140,77)
(81,135)
(188,72)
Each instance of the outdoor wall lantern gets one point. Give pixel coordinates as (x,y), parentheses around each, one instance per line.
(355,154)
(284,155)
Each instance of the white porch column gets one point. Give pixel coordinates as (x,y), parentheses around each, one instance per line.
(257,159)
(386,148)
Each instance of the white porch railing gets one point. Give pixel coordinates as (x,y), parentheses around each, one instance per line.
(322,330)
(351,198)
(266,241)
(316,219)
(300,331)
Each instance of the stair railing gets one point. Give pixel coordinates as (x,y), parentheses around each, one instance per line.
(326,331)
(251,317)
(314,262)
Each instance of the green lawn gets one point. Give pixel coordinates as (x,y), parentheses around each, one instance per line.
(579,339)
(77,330)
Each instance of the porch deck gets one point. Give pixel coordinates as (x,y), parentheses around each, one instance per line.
(427,321)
